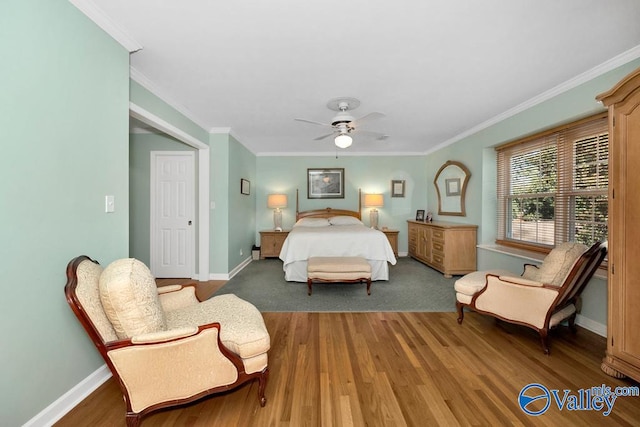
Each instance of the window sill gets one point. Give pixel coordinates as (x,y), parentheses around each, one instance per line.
(536,257)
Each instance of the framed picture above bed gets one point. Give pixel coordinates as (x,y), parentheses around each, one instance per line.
(325,183)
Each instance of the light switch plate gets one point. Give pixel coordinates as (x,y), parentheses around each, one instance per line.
(109,204)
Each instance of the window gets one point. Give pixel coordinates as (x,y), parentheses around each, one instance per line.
(553,186)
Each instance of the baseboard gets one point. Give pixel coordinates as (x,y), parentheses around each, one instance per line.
(232,273)
(239,267)
(65,403)
(591,325)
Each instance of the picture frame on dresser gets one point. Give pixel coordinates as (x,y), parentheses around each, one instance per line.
(420,215)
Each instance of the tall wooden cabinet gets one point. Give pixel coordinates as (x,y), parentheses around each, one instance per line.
(448,247)
(623,341)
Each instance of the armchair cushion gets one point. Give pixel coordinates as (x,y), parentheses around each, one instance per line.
(130,300)
(242,329)
(557,264)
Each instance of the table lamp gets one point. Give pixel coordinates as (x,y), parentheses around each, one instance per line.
(277,201)
(373,201)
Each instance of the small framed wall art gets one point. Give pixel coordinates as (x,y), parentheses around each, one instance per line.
(245,186)
(397,188)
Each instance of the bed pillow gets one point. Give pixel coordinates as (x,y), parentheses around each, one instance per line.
(312,222)
(344,220)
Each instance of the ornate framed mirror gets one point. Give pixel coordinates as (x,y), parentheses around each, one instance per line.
(451,186)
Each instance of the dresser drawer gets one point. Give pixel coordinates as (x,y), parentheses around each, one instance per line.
(438,245)
(438,260)
(438,234)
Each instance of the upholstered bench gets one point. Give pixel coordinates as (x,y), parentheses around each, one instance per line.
(338,269)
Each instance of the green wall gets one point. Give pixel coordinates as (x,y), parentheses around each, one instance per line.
(142,97)
(242,208)
(64,120)
(478,154)
(219,196)
(372,174)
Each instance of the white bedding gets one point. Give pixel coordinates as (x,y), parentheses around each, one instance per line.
(335,240)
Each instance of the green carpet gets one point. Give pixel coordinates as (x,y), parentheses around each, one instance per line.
(412,287)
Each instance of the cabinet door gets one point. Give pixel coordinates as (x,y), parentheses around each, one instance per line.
(424,243)
(626,213)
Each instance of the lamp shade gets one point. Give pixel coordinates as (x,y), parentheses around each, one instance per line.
(343,140)
(373,200)
(276,201)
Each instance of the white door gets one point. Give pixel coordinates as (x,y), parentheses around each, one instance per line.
(172,214)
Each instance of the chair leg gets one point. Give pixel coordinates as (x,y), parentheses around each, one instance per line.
(572,323)
(460,310)
(544,338)
(133,419)
(369,286)
(262,384)
(308,286)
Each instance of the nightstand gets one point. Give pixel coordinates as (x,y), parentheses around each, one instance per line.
(392,235)
(271,242)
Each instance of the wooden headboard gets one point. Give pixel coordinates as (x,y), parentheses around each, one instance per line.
(328,212)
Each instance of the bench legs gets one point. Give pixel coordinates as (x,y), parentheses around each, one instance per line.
(364,279)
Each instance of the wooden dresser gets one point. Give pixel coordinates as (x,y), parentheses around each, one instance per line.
(271,243)
(623,339)
(448,247)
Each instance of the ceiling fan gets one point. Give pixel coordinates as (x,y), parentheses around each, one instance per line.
(344,124)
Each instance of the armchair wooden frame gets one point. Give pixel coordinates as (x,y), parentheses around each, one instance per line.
(566,295)
(134,418)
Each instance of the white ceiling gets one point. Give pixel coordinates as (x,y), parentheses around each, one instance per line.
(437,69)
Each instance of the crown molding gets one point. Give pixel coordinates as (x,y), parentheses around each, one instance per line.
(98,16)
(146,83)
(597,71)
(220,130)
(341,154)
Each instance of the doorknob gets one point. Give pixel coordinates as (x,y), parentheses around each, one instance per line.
(190,222)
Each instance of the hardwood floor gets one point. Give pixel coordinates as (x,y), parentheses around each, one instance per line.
(394,369)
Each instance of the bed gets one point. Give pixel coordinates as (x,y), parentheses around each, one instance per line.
(334,232)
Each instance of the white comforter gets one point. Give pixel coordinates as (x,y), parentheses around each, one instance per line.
(336,240)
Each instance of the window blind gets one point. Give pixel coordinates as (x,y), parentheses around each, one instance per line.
(553,186)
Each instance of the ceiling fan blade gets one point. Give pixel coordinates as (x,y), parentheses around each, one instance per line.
(324,136)
(366,118)
(313,122)
(377,135)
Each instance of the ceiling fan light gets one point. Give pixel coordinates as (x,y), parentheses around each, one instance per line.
(343,140)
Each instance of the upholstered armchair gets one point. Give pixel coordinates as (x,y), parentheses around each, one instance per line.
(163,346)
(542,297)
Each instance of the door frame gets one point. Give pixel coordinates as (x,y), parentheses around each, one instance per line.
(203,185)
